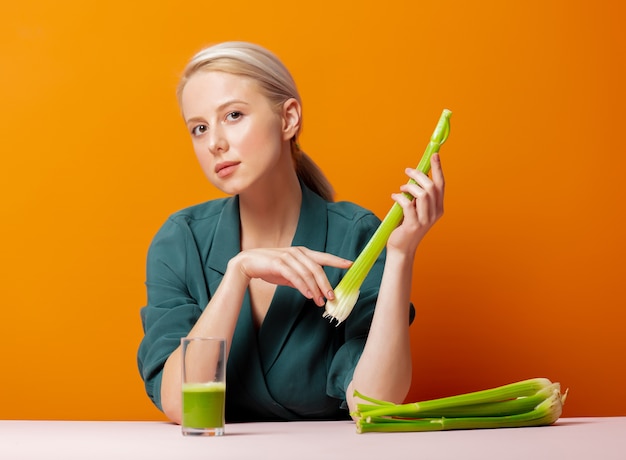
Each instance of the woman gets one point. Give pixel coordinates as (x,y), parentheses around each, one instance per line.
(256,268)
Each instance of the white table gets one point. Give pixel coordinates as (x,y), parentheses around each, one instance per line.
(568,439)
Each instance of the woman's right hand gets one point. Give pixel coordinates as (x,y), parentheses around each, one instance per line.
(296,266)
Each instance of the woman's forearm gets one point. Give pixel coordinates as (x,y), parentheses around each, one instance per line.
(218,319)
(384,370)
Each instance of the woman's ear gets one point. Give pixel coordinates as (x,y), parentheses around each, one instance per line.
(292,116)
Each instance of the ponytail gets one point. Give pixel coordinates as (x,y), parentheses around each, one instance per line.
(311,174)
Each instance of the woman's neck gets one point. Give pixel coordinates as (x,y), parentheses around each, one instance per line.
(270,219)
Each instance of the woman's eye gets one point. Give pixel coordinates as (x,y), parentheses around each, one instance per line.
(232,116)
(198,130)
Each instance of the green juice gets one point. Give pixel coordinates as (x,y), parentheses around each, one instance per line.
(203,405)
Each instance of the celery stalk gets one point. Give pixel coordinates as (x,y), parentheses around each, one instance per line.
(520,389)
(490,409)
(545,413)
(531,402)
(347,291)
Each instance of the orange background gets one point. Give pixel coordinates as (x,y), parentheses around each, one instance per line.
(523,277)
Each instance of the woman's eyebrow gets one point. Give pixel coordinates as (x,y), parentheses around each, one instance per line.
(223,105)
(195,120)
(219,108)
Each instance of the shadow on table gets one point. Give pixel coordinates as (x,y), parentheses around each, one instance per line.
(571,422)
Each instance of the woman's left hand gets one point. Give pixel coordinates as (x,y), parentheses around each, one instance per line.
(421,213)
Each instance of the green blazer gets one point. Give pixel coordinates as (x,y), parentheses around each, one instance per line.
(297,365)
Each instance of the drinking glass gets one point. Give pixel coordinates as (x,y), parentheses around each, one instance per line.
(203,386)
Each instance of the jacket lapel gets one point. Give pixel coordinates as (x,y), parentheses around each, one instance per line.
(288,302)
(244,370)
(245,375)
(252,355)
(226,243)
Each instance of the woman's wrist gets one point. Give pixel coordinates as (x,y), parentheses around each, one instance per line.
(399,257)
(235,269)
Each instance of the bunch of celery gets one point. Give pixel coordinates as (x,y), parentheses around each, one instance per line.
(347,291)
(532,402)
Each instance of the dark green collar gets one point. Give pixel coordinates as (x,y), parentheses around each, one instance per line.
(311,230)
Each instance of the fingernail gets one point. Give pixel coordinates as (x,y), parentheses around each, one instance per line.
(309,294)
(330,295)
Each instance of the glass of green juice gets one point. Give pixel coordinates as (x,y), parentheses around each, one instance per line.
(203,386)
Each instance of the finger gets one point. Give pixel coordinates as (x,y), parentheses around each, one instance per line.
(327,259)
(433,190)
(304,274)
(425,209)
(416,190)
(314,260)
(418,176)
(407,204)
(437,171)
(422,208)
(291,272)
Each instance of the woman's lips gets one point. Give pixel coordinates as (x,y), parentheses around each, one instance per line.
(226,168)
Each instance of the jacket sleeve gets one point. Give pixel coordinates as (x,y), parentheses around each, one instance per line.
(171,309)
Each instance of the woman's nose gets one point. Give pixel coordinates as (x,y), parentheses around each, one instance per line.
(217,141)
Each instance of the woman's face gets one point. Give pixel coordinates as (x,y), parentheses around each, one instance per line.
(240,141)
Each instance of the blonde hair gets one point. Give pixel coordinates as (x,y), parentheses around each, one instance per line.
(275,82)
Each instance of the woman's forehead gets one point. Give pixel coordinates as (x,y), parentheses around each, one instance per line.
(217,85)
